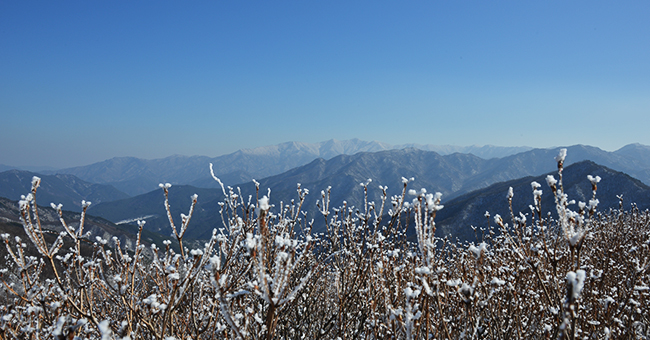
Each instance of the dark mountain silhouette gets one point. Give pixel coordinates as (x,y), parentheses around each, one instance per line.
(65,189)
(468,210)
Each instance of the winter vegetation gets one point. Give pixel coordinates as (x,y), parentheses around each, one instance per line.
(566,271)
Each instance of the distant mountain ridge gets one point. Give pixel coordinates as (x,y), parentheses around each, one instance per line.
(65,189)
(135,176)
(4,167)
(454,220)
(460,213)
(343,173)
(453,175)
(485,151)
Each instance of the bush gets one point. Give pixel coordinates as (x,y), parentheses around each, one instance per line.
(580,274)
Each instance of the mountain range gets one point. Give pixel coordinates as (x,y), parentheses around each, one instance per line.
(460,214)
(41,169)
(339,164)
(453,175)
(136,176)
(65,189)
(343,173)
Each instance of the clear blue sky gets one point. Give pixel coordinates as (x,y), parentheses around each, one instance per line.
(83,81)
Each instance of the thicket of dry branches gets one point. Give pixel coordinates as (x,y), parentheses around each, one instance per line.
(582,274)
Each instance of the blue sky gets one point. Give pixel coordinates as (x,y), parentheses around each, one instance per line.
(83,81)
